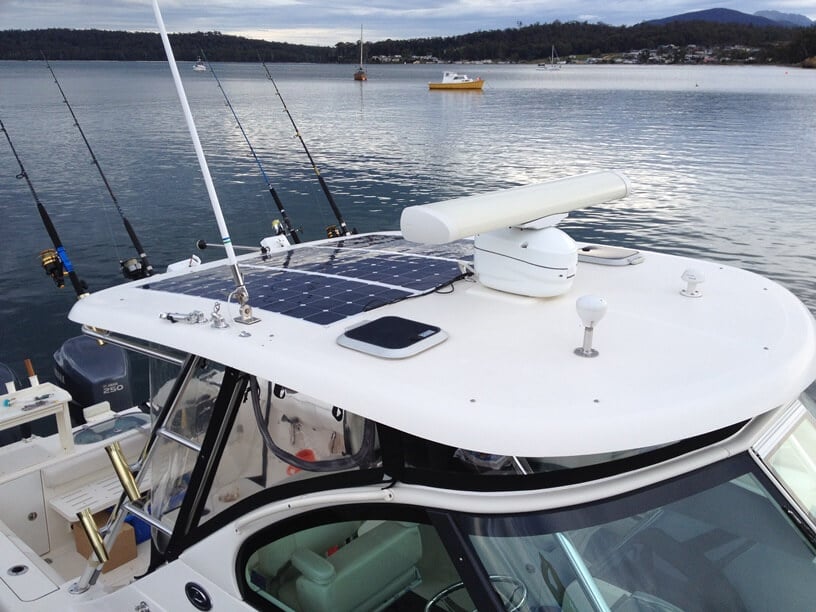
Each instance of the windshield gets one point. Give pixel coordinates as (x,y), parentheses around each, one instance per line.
(715,539)
(793,461)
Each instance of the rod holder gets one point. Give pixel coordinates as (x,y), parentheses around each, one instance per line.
(92,532)
(122,469)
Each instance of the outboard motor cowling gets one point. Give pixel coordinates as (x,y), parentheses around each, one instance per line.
(92,372)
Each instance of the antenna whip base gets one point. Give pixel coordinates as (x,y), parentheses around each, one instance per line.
(246,317)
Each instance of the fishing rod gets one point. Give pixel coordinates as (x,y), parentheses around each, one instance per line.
(131,268)
(287,224)
(332,231)
(54,261)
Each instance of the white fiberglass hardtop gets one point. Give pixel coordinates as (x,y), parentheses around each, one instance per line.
(672,363)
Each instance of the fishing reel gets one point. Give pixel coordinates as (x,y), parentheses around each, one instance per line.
(334,231)
(52,264)
(132,269)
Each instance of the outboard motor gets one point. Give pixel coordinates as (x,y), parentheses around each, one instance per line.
(92,372)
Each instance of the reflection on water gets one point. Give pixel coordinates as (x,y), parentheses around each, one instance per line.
(720,159)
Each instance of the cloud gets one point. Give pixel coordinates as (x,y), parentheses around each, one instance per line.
(326,23)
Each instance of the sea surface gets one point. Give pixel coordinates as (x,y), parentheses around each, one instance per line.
(722,160)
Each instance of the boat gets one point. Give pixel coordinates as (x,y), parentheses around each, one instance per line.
(454,80)
(360,73)
(554,63)
(199,65)
(474,411)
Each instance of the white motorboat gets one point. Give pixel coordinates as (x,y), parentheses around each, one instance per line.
(199,65)
(454,80)
(474,412)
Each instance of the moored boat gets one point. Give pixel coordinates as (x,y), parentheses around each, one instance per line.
(554,64)
(200,66)
(360,73)
(454,80)
(474,411)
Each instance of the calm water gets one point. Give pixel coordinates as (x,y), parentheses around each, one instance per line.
(722,160)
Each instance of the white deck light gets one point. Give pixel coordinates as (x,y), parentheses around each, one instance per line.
(692,278)
(591,309)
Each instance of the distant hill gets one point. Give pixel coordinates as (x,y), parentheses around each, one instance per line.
(719,15)
(789,19)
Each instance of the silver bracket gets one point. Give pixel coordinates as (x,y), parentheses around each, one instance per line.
(246,315)
(244,309)
(193,317)
(217,319)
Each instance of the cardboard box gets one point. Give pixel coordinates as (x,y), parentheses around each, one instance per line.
(123,549)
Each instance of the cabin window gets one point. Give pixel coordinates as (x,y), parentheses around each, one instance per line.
(428,455)
(288,438)
(794,463)
(713,540)
(353,565)
(434,464)
(432,458)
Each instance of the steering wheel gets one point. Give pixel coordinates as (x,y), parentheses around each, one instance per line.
(518,587)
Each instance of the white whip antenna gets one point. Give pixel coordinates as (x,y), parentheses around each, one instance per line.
(240,293)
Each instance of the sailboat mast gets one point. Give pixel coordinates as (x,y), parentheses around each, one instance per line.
(360,73)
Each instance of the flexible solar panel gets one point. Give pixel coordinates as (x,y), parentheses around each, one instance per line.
(329,282)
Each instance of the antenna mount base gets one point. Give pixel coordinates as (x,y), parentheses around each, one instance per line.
(246,317)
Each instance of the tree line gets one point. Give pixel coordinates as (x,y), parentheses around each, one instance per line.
(528,43)
(67,44)
(533,42)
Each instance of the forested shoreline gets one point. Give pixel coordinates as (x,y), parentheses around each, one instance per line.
(522,44)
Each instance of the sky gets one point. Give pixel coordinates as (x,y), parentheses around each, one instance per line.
(327,22)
